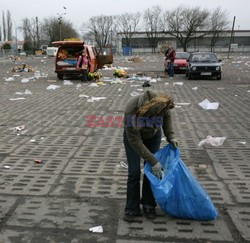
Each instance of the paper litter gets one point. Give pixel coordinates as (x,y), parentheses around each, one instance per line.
(213,141)
(207,105)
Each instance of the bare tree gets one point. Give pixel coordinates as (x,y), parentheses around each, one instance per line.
(101,27)
(219,23)
(128,24)
(29,29)
(186,24)
(51,29)
(153,25)
(4,27)
(1,37)
(9,25)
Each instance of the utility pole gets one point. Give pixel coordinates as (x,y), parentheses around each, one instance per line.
(229,48)
(60,16)
(16,49)
(37,33)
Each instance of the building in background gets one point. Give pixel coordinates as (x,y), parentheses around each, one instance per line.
(140,43)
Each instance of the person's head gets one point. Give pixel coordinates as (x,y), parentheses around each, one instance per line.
(84,52)
(156,106)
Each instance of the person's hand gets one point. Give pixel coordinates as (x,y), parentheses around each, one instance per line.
(174,142)
(157,170)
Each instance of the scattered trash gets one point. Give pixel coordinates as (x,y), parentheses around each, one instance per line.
(140,90)
(94,85)
(100,83)
(25,80)
(19,129)
(242,142)
(96,229)
(32,140)
(26,92)
(23,68)
(123,165)
(119,90)
(53,87)
(135,85)
(116,81)
(78,86)
(6,166)
(166,83)
(92,99)
(163,139)
(146,84)
(83,96)
(134,94)
(20,98)
(177,83)
(213,141)
(9,79)
(38,161)
(195,88)
(207,105)
(67,82)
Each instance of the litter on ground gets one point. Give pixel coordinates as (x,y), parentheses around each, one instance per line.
(213,141)
(207,105)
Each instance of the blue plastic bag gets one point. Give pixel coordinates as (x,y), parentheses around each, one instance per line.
(179,194)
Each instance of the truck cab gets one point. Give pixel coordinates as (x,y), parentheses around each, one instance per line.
(68,53)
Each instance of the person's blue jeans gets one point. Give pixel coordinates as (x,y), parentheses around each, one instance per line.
(134,172)
(171,69)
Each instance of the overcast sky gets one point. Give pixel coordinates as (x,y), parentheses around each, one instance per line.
(79,11)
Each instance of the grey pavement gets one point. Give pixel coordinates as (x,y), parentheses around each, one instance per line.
(80,183)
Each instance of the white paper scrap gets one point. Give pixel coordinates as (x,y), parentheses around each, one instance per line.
(67,82)
(195,88)
(26,92)
(207,105)
(78,86)
(20,98)
(9,79)
(53,87)
(177,83)
(213,141)
(243,142)
(25,80)
(93,85)
(83,96)
(96,229)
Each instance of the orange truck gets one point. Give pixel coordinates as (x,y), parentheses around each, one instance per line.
(68,53)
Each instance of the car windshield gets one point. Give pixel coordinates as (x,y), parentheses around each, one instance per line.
(204,57)
(182,55)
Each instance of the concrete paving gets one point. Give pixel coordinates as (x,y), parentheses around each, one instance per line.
(80,183)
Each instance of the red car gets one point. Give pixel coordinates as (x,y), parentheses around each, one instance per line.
(180,62)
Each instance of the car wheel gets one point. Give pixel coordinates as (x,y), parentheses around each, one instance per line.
(219,77)
(189,76)
(60,76)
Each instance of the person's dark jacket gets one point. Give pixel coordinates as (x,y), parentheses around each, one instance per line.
(135,135)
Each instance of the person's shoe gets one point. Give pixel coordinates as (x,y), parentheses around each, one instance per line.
(130,217)
(149,213)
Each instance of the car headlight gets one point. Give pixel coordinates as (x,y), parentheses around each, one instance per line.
(193,68)
(217,68)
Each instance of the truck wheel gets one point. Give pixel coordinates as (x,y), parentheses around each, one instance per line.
(60,76)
